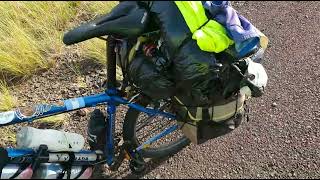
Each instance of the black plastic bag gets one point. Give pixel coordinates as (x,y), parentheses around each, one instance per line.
(195,71)
(172,24)
(147,76)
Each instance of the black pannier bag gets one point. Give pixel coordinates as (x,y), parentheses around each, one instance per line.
(201,123)
(226,107)
(223,110)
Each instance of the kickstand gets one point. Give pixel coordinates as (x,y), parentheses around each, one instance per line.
(127,151)
(123,155)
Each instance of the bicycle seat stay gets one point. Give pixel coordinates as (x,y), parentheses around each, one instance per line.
(126,19)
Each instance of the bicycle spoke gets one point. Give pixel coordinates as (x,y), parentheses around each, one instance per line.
(144,123)
(158,136)
(150,129)
(149,124)
(156,129)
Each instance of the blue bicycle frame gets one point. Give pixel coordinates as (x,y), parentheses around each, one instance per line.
(45,110)
(109,97)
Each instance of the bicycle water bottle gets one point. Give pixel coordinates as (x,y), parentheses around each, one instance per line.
(29,137)
(54,171)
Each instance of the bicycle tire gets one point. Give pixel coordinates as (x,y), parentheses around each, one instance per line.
(161,152)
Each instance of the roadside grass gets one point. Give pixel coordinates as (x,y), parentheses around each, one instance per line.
(7,136)
(31,37)
(31,41)
(7,100)
(31,33)
(55,121)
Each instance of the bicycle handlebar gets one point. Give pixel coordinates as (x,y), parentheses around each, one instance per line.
(14,156)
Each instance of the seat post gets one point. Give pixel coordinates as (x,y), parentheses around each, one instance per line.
(111,62)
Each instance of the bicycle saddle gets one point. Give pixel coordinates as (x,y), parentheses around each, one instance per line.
(126,19)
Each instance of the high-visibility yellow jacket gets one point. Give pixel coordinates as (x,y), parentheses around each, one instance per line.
(209,34)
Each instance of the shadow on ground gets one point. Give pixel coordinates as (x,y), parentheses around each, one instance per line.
(125,173)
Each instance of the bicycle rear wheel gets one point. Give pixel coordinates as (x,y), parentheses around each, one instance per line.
(139,127)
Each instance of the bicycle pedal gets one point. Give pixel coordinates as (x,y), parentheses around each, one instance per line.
(137,164)
(137,167)
(117,163)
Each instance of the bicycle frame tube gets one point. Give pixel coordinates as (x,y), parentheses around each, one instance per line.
(109,150)
(45,110)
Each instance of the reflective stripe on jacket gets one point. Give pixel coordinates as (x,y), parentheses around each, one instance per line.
(209,34)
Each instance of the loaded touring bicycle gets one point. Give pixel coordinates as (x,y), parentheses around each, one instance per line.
(152,128)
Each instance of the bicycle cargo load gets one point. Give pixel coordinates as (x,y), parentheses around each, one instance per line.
(225,111)
(201,123)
